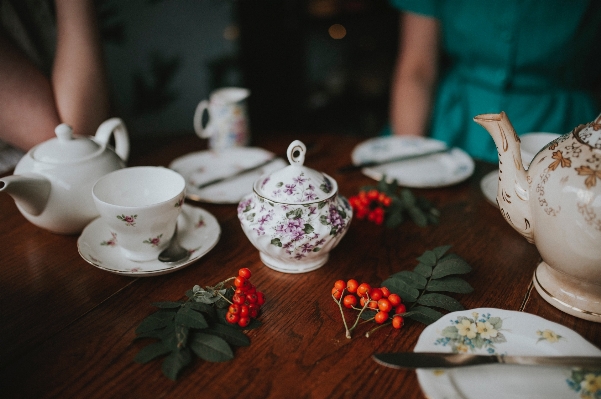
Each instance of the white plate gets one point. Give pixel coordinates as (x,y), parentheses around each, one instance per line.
(517,333)
(435,170)
(198,231)
(203,166)
(488,185)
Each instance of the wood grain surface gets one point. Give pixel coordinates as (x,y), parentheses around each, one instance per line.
(67,328)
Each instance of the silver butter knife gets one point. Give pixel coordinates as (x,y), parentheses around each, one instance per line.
(438,360)
(353,167)
(238,173)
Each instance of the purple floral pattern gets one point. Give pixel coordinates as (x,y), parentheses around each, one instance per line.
(299,230)
(299,189)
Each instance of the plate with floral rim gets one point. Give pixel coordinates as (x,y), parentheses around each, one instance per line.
(198,231)
(204,166)
(498,331)
(429,171)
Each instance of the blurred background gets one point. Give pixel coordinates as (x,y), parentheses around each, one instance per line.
(323,65)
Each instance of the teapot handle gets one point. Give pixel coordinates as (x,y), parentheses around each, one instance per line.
(116,127)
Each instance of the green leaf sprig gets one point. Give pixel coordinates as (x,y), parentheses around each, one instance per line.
(196,326)
(406,204)
(390,205)
(420,289)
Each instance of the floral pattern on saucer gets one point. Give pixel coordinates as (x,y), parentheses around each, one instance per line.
(499,331)
(199,232)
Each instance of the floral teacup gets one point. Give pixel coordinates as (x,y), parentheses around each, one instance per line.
(294,217)
(140,205)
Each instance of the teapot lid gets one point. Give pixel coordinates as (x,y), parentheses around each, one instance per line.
(65,148)
(296,184)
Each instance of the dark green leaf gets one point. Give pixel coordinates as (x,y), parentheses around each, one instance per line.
(407,197)
(276,242)
(190,318)
(401,288)
(428,258)
(155,321)
(418,216)
(202,307)
(368,314)
(423,270)
(393,218)
(211,348)
(230,334)
(440,301)
(167,305)
(151,351)
(450,264)
(450,284)
(175,362)
(424,315)
(413,279)
(440,251)
(308,229)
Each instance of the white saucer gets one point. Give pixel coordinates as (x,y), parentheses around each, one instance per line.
(203,166)
(517,333)
(488,185)
(198,231)
(435,170)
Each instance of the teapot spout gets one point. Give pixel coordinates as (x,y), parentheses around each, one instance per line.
(30,192)
(513,189)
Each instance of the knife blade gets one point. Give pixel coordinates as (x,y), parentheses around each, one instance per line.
(439,360)
(238,173)
(353,167)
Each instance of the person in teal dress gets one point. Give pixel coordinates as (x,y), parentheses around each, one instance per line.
(537,60)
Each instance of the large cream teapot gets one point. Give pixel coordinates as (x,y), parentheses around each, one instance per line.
(52,183)
(556,204)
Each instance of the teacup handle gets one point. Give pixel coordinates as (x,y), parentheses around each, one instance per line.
(202,132)
(296,153)
(116,127)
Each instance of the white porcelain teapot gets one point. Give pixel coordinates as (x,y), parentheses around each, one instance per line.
(52,183)
(556,204)
(294,216)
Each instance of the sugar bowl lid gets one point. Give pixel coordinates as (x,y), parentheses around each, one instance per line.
(296,184)
(591,133)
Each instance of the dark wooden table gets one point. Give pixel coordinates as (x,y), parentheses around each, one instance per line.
(67,328)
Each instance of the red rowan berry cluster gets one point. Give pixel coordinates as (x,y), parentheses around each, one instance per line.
(385,306)
(370,204)
(246,301)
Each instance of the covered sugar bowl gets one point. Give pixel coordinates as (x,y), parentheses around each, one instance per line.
(294,216)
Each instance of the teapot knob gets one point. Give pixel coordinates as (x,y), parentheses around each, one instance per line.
(296,153)
(64,132)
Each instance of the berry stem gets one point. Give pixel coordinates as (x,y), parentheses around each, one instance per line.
(348,332)
(368,334)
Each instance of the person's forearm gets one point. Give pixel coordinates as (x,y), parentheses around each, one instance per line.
(415,75)
(27,110)
(411,104)
(79,76)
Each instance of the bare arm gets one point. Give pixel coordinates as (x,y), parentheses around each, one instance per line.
(79,76)
(31,105)
(415,75)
